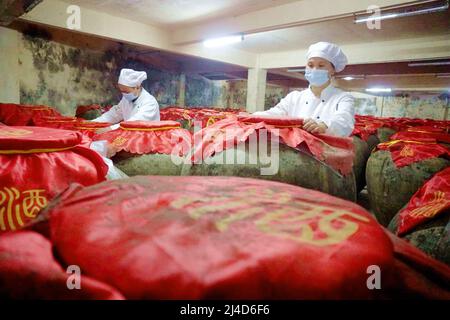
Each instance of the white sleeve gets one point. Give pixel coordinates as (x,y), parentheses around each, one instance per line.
(343,121)
(101,146)
(149,111)
(114,115)
(281,109)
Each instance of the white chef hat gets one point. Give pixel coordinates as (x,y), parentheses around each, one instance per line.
(330,52)
(131,78)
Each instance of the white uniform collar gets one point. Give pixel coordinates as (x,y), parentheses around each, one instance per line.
(326,94)
(140,96)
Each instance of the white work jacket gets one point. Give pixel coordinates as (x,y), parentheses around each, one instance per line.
(334,107)
(145,107)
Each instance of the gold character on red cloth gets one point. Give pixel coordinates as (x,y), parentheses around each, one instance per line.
(434,206)
(280,216)
(16,206)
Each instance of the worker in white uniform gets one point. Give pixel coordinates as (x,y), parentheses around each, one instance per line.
(136,103)
(326,109)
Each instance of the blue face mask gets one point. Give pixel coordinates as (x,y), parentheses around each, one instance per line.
(129,96)
(317,77)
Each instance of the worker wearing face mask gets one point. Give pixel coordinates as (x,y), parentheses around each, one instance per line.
(136,103)
(326,109)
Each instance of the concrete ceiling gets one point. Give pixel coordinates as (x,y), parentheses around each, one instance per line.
(176,13)
(345,31)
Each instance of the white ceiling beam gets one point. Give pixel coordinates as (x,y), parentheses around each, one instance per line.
(280,17)
(432,47)
(54,13)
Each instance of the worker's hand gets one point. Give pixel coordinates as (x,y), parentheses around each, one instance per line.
(111,151)
(314,127)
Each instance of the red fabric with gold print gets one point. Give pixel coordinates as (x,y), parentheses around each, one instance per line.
(220,237)
(432,199)
(87,128)
(35,165)
(406,152)
(420,133)
(145,137)
(205,116)
(90,128)
(230,238)
(56,122)
(365,126)
(368,125)
(335,151)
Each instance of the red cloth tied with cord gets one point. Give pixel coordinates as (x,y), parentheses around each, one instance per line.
(23,115)
(208,117)
(83,109)
(38,163)
(89,128)
(431,200)
(197,238)
(420,133)
(86,128)
(146,137)
(366,126)
(234,238)
(406,152)
(58,122)
(174,114)
(335,151)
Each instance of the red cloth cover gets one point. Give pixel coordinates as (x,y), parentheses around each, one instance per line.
(406,152)
(278,122)
(368,125)
(145,137)
(23,115)
(335,151)
(38,163)
(420,133)
(228,237)
(220,237)
(432,199)
(28,270)
(83,109)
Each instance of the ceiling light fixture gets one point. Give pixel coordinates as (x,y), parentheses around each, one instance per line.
(297,70)
(379,90)
(403,14)
(426,64)
(223,41)
(351,77)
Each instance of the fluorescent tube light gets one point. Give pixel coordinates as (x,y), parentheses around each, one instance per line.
(379,90)
(402,14)
(425,64)
(297,70)
(223,41)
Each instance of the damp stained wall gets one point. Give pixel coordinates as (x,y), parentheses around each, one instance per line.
(9,80)
(66,76)
(62,76)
